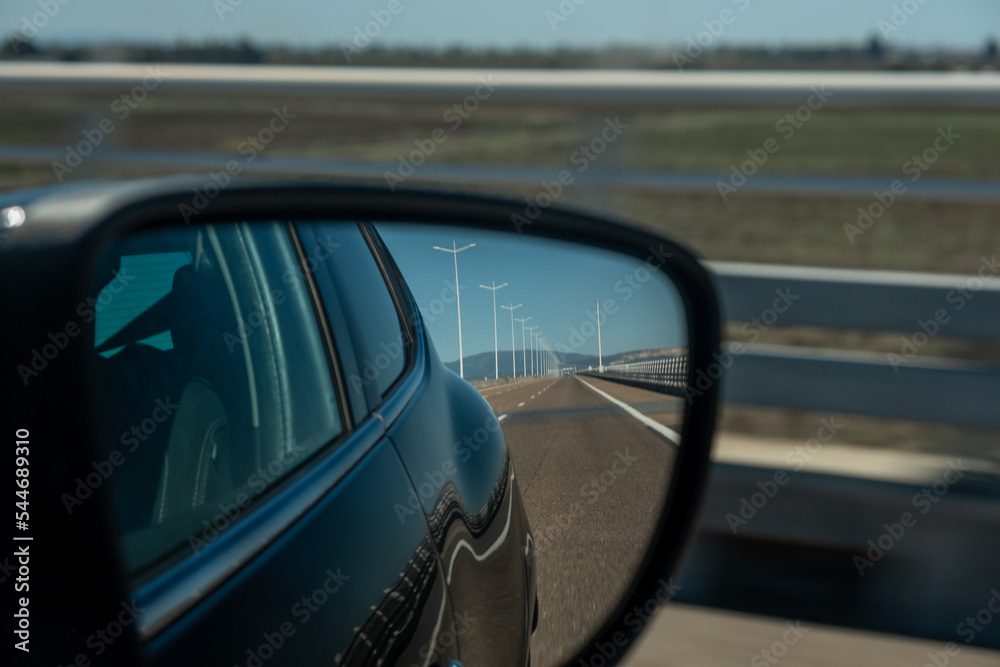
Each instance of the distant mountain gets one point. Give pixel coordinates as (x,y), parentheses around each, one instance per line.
(483,365)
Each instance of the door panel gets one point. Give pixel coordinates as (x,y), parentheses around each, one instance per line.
(347,579)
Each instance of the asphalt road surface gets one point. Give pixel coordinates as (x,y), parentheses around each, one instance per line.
(594,479)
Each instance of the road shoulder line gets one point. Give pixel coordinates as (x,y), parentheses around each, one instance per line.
(668,433)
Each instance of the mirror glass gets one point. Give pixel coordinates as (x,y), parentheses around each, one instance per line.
(583,358)
(217,385)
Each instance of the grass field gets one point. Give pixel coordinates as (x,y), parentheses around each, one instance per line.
(917,235)
(830,142)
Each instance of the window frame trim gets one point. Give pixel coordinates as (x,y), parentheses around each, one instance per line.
(329,340)
(406,312)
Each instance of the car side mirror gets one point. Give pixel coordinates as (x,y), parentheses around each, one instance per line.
(471,425)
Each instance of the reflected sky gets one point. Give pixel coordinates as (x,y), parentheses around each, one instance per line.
(556,284)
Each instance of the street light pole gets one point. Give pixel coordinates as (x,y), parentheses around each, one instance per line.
(600,358)
(458,300)
(538,352)
(513,344)
(531,337)
(536,341)
(524,353)
(496,350)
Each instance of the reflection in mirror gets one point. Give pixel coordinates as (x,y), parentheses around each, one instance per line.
(582,355)
(235,363)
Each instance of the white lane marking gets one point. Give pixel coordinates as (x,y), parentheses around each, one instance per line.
(532,396)
(656,426)
(502,417)
(520,404)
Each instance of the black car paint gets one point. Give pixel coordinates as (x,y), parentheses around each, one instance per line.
(474,512)
(393,603)
(314,587)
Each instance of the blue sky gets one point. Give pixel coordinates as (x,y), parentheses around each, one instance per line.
(555,282)
(534,23)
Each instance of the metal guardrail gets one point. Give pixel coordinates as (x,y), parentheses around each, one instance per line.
(900,384)
(865,299)
(618,89)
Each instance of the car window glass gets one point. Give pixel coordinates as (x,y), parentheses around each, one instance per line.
(367,305)
(148,277)
(213,381)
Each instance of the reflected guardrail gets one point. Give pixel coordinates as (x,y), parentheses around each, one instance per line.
(666,375)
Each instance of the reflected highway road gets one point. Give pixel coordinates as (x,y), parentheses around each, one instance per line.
(594,479)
